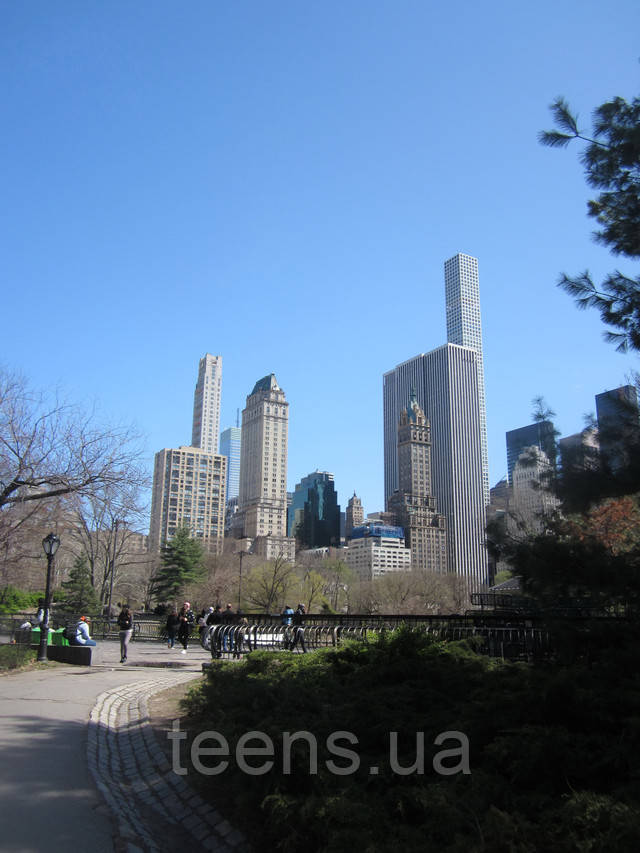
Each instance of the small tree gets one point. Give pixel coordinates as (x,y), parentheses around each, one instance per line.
(80,596)
(182,564)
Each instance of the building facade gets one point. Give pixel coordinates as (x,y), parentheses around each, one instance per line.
(531,500)
(618,426)
(188,489)
(262,496)
(354,515)
(230,446)
(464,328)
(541,434)
(206,404)
(314,512)
(413,504)
(375,550)
(446,386)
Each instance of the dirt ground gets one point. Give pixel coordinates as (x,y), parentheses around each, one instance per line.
(164,708)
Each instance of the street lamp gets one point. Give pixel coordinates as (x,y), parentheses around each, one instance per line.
(50,544)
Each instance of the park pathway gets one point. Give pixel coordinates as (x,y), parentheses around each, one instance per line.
(82,766)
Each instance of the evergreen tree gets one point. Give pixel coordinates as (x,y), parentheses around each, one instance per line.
(612,165)
(182,564)
(80,596)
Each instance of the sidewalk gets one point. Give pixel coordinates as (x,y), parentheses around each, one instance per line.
(67,729)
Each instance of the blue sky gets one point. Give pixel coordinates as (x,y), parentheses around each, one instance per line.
(280,183)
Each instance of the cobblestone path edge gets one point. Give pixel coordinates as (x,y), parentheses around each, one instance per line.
(134,777)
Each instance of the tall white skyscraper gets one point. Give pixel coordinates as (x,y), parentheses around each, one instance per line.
(262,498)
(206,404)
(464,327)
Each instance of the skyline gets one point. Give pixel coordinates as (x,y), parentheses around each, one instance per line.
(282,187)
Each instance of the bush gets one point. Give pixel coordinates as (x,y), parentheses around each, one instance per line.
(553,751)
(14,600)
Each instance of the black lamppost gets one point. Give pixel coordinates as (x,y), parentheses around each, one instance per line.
(50,544)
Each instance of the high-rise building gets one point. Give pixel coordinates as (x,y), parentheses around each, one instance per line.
(262,497)
(230,446)
(314,513)
(206,404)
(580,452)
(464,328)
(540,434)
(531,501)
(413,503)
(188,489)
(446,385)
(377,549)
(354,516)
(618,426)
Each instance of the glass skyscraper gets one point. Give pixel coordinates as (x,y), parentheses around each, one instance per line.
(314,513)
(230,446)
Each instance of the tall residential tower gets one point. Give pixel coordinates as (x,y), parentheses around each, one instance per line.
(262,498)
(206,404)
(464,327)
(188,489)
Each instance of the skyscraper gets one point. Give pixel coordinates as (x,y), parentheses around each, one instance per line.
(464,327)
(446,385)
(618,426)
(540,434)
(262,498)
(354,515)
(230,446)
(314,513)
(413,503)
(206,404)
(531,501)
(188,489)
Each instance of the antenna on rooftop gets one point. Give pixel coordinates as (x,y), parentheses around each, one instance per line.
(237,417)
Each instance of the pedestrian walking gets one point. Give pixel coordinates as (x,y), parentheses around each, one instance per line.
(173,623)
(125,625)
(186,619)
(298,629)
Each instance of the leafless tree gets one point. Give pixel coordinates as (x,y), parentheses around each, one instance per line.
(268,584)
(49,449)
(51,452)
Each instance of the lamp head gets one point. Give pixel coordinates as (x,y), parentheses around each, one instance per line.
(50,544)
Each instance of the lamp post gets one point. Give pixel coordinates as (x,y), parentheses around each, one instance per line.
(50,544)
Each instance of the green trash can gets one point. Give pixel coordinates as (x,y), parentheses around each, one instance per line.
(35,636)
(57,639)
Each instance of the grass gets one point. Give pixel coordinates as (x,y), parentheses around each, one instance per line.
(15,656)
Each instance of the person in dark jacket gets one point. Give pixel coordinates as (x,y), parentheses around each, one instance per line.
(297,635)
(187,619)
(173,623)
(125,625)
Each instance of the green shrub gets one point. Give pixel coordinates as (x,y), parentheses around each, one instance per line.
(14,600)
(553,751)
